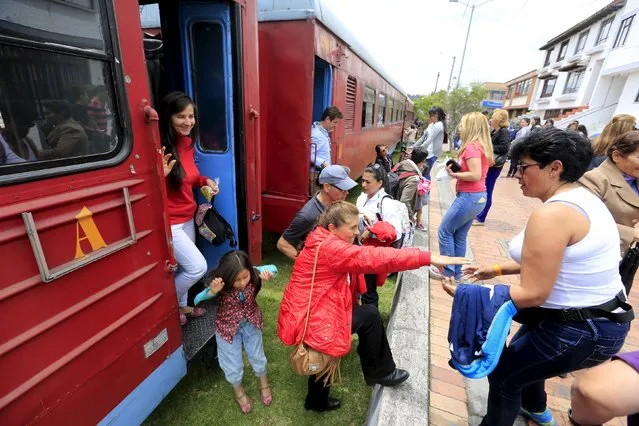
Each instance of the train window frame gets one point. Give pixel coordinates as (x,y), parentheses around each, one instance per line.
(381,109)
(368,98)
(350,104)
(110,60)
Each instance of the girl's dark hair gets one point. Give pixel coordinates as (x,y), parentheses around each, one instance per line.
(231,264)
(174,103)
(441,116)
(378,149)
(551,144)
(625,144)
(378,173)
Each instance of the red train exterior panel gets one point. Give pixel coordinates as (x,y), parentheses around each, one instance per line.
(287,55)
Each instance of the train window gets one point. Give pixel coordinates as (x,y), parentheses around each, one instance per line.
(210,92)
(391,106)
(368,106)
(56,99)
(349,111)
(381,111)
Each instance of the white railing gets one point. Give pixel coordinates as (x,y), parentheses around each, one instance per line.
(594,119)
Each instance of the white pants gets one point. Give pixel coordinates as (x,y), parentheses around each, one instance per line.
(191,262)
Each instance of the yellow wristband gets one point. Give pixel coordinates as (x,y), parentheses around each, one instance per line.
(497,269)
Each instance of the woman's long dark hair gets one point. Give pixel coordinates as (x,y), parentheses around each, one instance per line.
(379,174)
(231,264)
(441,116)
(174,103)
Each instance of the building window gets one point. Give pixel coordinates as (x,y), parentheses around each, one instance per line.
(548,53)
(574,81)
(624,29)
(349,105)
(552,113)
(368,105)
(510,92)
(496,95)
(526,87)
(604,30)
(381,110)
(549,87)
(581,42)
(562,50)
(58,104)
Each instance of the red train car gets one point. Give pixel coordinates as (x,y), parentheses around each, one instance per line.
(308,61)
(90,332)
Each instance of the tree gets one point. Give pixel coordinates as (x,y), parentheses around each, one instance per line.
(461,101)
(456,103)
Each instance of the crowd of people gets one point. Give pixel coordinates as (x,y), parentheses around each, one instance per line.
(571,300)
(80,124)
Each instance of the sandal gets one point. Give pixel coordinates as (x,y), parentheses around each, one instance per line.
(246,408)
(196,312)
(266,399)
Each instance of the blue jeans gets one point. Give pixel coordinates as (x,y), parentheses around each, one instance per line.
(491,179)
(455,225)
(430,162)
(539,352)
(229,355)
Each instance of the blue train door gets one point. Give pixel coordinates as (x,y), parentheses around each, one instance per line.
(322,87)
(205,37)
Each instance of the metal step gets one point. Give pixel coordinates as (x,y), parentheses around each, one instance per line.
(197,332)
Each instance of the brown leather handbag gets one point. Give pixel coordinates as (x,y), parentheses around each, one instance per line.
(305,360)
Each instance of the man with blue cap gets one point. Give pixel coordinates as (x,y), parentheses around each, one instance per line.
(335,184)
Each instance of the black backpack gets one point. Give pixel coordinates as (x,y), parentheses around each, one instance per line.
(393,179)
(212,225)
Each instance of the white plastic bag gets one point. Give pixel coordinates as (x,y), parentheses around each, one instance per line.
(442,174)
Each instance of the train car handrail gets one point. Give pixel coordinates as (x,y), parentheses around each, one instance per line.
(48,275)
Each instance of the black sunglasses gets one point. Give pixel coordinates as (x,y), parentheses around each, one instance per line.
(521,168)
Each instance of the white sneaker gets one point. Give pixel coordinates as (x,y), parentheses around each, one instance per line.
(434,273)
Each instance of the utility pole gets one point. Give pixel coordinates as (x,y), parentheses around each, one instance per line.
(450,78)
(461,65)
(436,83)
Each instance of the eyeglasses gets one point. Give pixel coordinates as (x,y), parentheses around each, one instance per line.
(521,168)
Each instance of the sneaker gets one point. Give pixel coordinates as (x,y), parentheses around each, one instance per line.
(477,223)
(541,419)
(435,273)
(420,227)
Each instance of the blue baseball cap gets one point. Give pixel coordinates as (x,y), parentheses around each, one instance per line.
(338,177)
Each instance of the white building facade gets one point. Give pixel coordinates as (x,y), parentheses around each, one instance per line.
(591,71)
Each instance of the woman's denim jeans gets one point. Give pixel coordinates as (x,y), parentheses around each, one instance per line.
(455,225)
(540,352)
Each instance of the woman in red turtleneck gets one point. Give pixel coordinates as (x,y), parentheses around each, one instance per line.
(177,121)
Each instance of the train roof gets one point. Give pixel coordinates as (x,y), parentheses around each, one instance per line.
(296,10)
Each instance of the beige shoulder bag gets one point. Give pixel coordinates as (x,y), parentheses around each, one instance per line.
(306,361)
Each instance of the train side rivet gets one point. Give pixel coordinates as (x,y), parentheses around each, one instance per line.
(137,156)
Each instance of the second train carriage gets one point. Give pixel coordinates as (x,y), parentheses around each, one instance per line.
(308,61)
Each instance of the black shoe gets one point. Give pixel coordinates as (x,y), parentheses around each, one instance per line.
(393,379)
(331,404)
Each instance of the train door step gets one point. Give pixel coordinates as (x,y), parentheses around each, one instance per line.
(197,332)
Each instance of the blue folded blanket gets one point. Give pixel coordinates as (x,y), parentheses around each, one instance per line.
(479,325)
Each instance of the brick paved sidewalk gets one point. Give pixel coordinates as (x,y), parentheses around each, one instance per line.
(489,245)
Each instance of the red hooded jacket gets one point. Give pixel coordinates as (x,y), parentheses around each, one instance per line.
(329,324)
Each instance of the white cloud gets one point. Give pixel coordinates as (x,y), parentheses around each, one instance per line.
(415,39)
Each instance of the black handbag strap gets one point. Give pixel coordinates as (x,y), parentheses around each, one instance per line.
(535,315)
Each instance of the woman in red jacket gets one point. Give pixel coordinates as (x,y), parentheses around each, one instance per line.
(334,313)
(177,121)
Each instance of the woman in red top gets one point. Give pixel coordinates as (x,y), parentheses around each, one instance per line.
(177,121)
(334,313)
(475,156)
